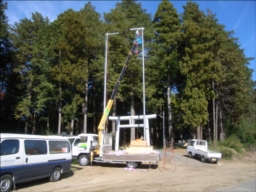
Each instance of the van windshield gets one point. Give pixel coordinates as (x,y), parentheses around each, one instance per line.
(191,143)
(8,147)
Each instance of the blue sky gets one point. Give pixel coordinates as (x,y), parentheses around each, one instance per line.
(239,16)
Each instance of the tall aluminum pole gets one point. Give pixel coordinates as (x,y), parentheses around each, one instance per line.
(144,92)
(105,72)
(146,127)
(105,69)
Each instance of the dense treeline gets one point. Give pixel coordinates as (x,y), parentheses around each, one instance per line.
(52,73)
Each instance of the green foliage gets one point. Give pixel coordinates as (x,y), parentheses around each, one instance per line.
(230,148)
(74,161)
(48,131)
(233,142)
(197,64)
(246,130)
(54,69)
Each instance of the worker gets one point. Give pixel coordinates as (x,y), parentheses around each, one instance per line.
(137,42)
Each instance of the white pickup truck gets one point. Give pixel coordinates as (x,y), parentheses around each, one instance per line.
(199,148)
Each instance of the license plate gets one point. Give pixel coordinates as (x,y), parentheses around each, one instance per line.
(213,159)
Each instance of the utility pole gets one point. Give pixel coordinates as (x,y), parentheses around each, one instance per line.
(146,128)
(105,69)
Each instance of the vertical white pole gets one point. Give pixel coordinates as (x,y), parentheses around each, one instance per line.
(105,72)
(146,128)
(105,82)
(106,68)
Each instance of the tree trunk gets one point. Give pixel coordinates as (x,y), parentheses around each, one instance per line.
(213,120)
(59,101)
(209,137)
(95,124)
(199,131)
(170,131)
(71,126)
(48,122)
(59,110)
(222,131)
(194,133)
(85,109)
(26,126)
(217,122)
(34,123)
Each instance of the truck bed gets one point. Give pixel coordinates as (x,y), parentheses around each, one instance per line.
(154,158)
(208,153)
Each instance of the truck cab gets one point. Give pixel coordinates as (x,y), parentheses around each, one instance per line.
(81,146)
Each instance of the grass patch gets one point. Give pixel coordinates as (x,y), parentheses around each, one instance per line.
(74,161)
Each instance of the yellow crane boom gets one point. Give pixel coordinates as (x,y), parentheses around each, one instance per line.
(111,100)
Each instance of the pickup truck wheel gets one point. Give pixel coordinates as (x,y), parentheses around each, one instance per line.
(131,164)
(190,155)
(6,183)
(83,160)
(203,159)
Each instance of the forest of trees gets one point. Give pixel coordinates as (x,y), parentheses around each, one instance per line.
(52,73)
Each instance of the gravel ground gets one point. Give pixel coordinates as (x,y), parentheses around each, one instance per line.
(175,172)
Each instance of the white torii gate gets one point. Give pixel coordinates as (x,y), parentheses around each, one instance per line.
(131,125)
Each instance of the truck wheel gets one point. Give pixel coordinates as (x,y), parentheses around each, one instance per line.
(203,159)
(83,160)
(55,176)
(190,155)
(131,164)
(6,183)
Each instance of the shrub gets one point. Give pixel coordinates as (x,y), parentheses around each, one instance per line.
(231,147)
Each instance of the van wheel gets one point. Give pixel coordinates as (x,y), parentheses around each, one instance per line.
(55,176)
(203,159)
(131,164)
(6,183)
(190,155)
(83,160)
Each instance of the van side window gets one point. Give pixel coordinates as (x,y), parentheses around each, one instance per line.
(59,147)
(35,147)
(9,147)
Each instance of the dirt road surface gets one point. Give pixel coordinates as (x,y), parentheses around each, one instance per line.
(174,173)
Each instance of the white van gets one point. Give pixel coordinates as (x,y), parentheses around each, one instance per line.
(30,157)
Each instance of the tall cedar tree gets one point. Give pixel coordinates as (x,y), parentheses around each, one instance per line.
(167,30)
(47,89)
(8,91)
(198,66)
(93,50)
(235,87)
(71,72)
(24,36)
